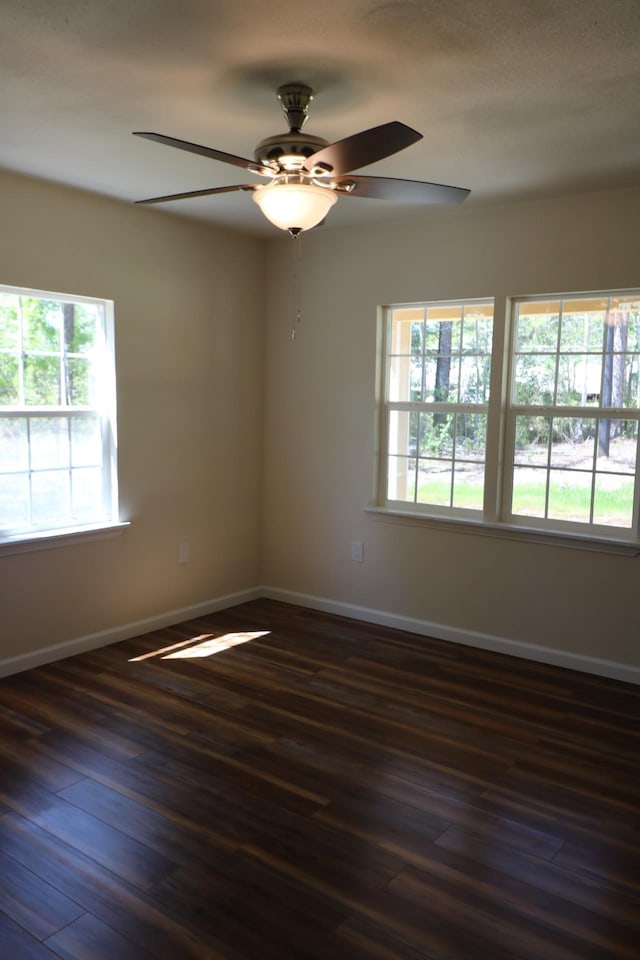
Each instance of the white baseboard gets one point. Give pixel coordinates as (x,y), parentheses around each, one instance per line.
(124,632)
(514,648)
(484,641)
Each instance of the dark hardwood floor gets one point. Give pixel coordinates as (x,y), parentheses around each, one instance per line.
(331,790)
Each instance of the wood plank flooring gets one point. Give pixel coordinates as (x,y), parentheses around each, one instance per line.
(329,790)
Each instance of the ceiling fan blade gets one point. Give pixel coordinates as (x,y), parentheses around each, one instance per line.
(206,152)
(201,193)
(402,191)
(363,148)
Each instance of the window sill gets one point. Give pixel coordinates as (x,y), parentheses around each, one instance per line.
(65,537)
(503,531)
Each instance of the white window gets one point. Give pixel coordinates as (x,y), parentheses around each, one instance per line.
(437,399)
(572,424)
(562,456)
(57,413)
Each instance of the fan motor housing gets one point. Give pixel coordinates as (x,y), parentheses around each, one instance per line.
(292,148)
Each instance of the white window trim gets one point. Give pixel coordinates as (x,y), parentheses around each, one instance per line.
(498,477)
(63,537)
(45,536)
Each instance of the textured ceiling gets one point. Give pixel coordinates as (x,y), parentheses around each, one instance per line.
(515,98)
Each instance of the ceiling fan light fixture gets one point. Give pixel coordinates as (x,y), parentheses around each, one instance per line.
(308,174)
(294,206)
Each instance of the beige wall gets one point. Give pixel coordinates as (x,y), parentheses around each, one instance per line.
(189,322)
(191,353)
(320,436)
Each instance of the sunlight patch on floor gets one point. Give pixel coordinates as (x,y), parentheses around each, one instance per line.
(204,645)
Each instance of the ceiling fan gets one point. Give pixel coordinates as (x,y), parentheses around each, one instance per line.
(307,174)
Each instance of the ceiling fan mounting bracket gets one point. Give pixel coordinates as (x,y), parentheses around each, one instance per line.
(295,99)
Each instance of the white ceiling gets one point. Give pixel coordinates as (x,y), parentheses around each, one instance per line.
(515,98)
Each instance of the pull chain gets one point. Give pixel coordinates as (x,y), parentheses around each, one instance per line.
(297,237)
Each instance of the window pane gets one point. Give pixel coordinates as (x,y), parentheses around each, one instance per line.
(537,326)
(9,380)
(631,383)
(405,379)
(42,381)
(475,378)
(626,311)
(432,338)
(444,329)
(582,326)
(8,321)
(617,446)
(573,443)
(454,338)
(532,440)
(579,379)
(529,492)
(401,479)
(41,321)
(468,486)
(406,330)
(401,434)
(616,339)
(613,503)
(49,442)
(582,332)
(620,380)
(476,332)
(14,500)
(81,323)
(50,497)
(570,495)
(471,437)
(80,385)
(534,379)
(434,482)
(436,435)
(441,379)
(86,442)
(14,444)
(86,490)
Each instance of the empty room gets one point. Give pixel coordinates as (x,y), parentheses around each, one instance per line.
(319,480)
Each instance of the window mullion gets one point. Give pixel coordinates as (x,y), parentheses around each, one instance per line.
(636,487)
(30,474)
(557,355)
(496,491)
(21,397)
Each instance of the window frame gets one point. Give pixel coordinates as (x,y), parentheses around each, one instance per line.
(103,410)
(429,407)
(497,519)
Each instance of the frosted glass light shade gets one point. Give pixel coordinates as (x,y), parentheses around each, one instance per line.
(295,206)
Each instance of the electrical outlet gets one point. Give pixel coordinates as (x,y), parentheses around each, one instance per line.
(357,551)
(183,552)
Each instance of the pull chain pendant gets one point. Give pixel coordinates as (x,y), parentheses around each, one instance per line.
(297,270)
